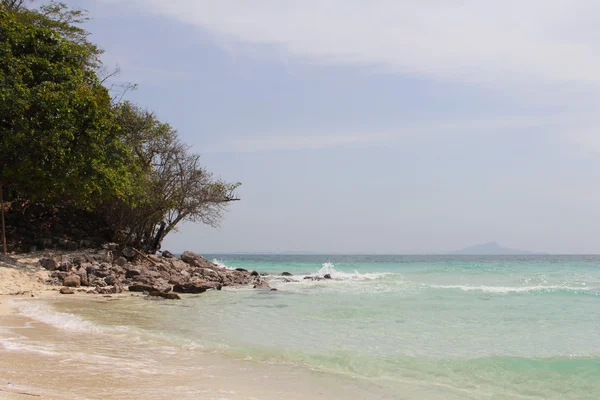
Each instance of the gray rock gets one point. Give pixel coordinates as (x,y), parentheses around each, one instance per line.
(121,261)
(286,274)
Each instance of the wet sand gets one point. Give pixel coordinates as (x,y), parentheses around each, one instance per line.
(42,360)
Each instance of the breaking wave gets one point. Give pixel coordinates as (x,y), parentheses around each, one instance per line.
(43,313)
(329,269)
(518,289)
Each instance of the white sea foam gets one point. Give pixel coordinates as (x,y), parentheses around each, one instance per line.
(514,289)
(44,313)
(14,344)
(329,269)
(220,263)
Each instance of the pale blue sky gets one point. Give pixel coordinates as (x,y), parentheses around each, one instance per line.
(376,126)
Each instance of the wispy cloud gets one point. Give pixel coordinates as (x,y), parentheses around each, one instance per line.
(455,129)
(481,41)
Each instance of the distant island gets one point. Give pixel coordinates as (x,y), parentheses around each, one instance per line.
(491,248)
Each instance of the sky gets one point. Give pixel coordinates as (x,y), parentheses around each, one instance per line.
(380,126)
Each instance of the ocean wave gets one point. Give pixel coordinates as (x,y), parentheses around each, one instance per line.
(12,344)
(516,289)
(221,264)
(43,313)
(329,269)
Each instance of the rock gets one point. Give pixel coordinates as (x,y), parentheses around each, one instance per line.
(83,275)
(128,253)
(167,254)
(177,279)
(287,280)
(133,272)
(110,280)
(241,270)
(253,273)
(65,263)
(327,276)
(72,281)
(286,274)
(179,265)
(308,277)
(121,261)
(106,246)
(168,296)
(67,290)
(140,287)
(49,264)
(116,289)
(160,285)
(146,284)
(262,285)
(274,289)
(72,246)
(197,261)
(196,287)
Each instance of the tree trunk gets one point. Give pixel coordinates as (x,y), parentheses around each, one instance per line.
(2,217)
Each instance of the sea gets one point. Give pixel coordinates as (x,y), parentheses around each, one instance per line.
(383,326)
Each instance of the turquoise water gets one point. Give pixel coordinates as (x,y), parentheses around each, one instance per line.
(444,327)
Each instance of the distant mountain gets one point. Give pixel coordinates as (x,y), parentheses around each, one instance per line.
(491,248)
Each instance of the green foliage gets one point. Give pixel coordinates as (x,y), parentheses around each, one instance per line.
(58,136)
(63,139)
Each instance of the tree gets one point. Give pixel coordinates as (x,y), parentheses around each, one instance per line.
(57,130)
(170,186)
(59,18)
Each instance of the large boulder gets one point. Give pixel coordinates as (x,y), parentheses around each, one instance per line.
(195,260)
(72,281)
(146,284)
(196,286)
(168,296)
(132,272)
(140,287)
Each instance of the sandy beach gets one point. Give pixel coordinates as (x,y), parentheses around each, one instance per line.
(54,355)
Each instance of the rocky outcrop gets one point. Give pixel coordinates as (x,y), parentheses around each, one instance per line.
(108,274)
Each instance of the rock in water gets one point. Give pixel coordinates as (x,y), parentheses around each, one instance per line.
(72,281)
(196,287)
(327,276)
(262,285)
(168,296)
(286,274)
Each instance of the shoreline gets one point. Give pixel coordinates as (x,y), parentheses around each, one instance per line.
(59,364)
(41,361)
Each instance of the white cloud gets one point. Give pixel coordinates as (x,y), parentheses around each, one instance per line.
(483,41)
